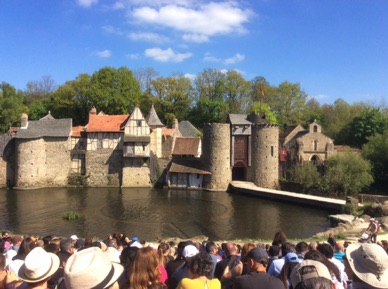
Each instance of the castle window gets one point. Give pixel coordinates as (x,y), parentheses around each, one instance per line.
(272,151)
(315,145)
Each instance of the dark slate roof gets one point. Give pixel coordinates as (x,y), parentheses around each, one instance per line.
(46,128)
(187,166)
(152,118)
(187,129)
(4,140)
(288,130)
(47,117)
(236,119)
(300,134)
(187,146)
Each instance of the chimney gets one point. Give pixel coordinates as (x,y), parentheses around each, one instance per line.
(93,110)
(175,124)
(24,121)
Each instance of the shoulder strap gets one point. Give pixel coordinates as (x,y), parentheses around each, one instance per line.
(59,282)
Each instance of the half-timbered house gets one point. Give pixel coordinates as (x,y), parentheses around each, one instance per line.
(136,151)
(185,169)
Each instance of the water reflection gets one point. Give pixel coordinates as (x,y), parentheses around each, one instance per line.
(150,213)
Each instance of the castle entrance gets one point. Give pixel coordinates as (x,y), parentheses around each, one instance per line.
(239,174)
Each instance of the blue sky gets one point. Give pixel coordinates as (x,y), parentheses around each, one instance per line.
(333,48)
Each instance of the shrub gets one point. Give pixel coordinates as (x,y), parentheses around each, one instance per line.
(71,215)
(347,173)
(305,174)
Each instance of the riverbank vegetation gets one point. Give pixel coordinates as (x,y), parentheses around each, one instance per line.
(343,174)
(208,97)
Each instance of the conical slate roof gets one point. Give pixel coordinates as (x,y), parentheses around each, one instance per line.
(152,118)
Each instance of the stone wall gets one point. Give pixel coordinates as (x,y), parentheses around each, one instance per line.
(136,173)
(322,150)
(42,162)
(216,156)
(265,156)
(3,173)
(104,167)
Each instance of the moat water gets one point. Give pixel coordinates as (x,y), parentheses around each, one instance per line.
(151,214)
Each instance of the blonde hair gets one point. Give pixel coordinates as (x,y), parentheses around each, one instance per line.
(144,270)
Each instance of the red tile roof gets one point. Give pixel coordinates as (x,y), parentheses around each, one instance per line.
(76,130)
(106,123)
(186,146)
(167,131)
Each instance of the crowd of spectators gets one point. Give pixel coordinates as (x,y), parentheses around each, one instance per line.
(130,263)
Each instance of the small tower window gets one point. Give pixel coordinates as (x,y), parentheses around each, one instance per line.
(315,128)
(315,145)
(272,151)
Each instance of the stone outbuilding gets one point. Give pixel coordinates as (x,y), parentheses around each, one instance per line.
(309,145)
(42,152)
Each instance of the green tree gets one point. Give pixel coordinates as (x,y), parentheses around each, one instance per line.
(347,173)
(115,91)
(260,107)
(306,175)
(210,85)
(336,119)
(236,92)
(174,97)
(38,109)
(11,106)
(73,100)
(207,111)
(376,151)
(370,122)
(289,103)
(258,87)
(314,111)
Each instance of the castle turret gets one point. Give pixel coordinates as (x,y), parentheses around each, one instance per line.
(216,156)
(265,158)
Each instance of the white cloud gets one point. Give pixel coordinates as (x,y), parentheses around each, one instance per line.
(210,58)
(198,23)
(198,38)
(235,59)
(147,36)
(86,3)
(190,76)
(167,55)
(104,53)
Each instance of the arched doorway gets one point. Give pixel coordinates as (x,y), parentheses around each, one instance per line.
(315,160)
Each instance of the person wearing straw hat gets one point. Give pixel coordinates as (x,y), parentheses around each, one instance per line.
(367,265)
(38,267)
(91,268)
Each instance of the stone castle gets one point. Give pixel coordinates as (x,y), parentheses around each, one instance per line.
(137,151)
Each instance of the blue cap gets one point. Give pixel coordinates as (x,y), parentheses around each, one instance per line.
(135,239)
(291,258)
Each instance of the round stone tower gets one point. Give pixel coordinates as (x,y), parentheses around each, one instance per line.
(265,155)
(216,156)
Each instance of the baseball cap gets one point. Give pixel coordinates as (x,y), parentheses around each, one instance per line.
(258,254)
(320,271)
